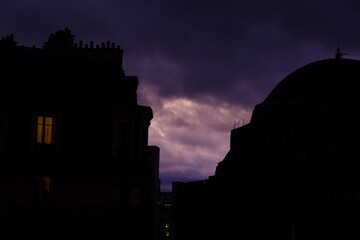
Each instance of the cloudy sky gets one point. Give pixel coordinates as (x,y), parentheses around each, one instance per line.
(202,64)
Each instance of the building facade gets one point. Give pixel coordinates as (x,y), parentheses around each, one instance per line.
(292,173)
(74,143)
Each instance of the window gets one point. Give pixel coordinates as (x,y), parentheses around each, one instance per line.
(46,183)
(123,137)
(45,130)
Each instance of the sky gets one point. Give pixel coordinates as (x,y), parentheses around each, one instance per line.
(202,65)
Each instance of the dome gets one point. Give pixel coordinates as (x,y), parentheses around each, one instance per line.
(318,82)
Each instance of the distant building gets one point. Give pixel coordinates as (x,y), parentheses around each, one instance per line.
(292,173)
(74,154)
(166,218)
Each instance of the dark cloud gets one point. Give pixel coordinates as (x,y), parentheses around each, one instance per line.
(212,46)
(218,48)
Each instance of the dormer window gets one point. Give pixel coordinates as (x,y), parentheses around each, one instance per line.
(45,130)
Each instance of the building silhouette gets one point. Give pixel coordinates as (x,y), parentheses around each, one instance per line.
(292,173)
(74,154)
(166,218)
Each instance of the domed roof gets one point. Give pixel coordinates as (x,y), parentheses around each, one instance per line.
(316,85)
(337,77)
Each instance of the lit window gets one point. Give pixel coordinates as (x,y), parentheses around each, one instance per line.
(167,234)
(167,225)
(45,130)
(46,182)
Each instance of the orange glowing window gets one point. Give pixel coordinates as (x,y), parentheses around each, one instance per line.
(45,130)
(46,181)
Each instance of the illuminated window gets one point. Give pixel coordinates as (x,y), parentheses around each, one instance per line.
(167,234)
(46,182)
(167,225)
(45,130)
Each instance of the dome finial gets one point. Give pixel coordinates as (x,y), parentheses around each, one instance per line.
(338,54)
